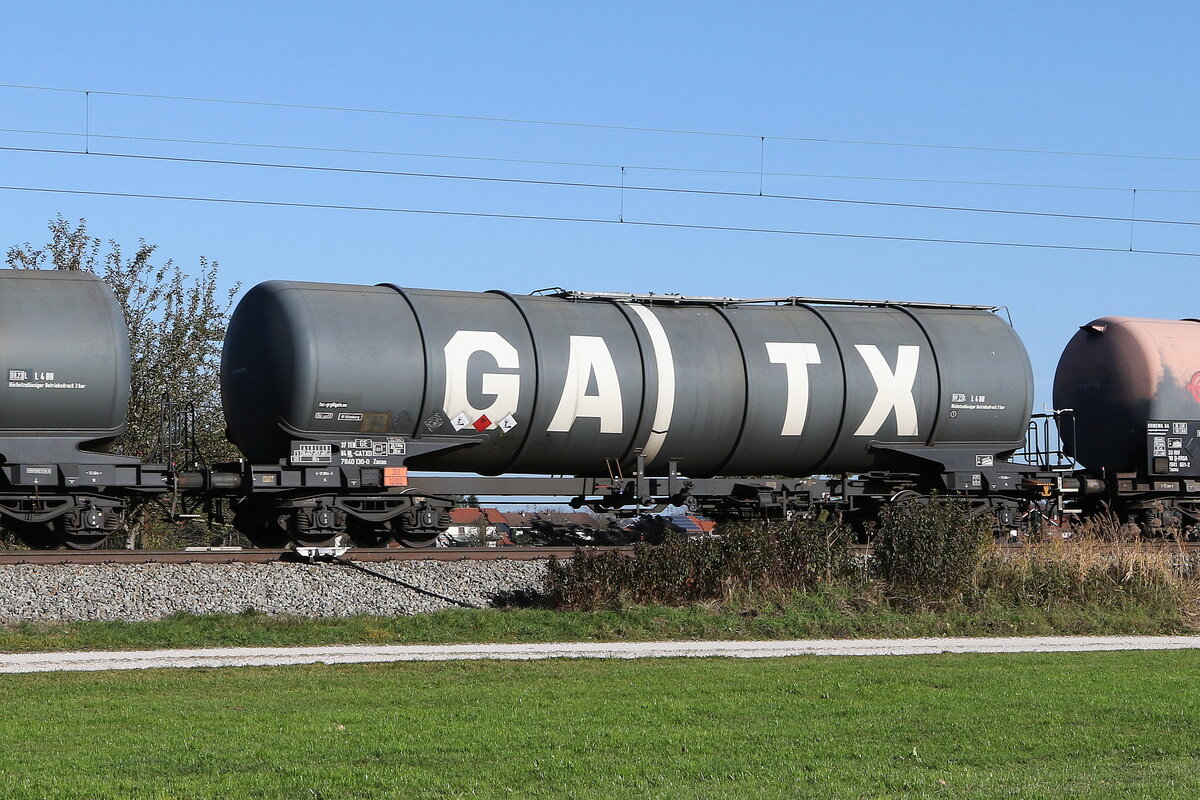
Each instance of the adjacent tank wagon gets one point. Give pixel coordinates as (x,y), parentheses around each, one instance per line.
(65,389)
(1133,387)
(1130,393)
(64,392)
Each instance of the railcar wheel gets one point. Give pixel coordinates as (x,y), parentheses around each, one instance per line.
(908,497)
(269,540)
(85,541)
(264,532)
(417,542)
(319,539)
(37,535)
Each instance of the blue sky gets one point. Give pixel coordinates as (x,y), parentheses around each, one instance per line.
(1116,78)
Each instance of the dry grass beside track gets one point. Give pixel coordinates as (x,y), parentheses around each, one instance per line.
(927,559)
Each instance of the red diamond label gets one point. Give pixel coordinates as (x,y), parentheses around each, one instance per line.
(482,424)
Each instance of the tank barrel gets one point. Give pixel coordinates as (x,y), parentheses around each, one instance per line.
(570,383)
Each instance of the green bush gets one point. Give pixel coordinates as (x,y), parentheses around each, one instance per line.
(929,551)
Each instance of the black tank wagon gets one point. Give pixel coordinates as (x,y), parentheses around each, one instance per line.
(64,364)
(353,383)
(570,383)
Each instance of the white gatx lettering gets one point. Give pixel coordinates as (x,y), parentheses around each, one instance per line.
(893,390)
(505,388)
(796,356)
(589,356)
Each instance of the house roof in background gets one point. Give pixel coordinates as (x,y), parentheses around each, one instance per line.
(472,516)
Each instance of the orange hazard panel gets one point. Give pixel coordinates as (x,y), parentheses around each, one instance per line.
(395,476)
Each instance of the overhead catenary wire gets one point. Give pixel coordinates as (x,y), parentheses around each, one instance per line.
(622,186)
(597,164)
(596,221)
(599,126)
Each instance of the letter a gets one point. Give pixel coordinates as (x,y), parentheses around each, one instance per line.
(589,356)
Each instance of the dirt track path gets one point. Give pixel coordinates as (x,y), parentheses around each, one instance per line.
(356,654)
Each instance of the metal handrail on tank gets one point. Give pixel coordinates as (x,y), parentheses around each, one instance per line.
(681,299)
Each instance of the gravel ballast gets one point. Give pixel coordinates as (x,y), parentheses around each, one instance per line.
(152,591)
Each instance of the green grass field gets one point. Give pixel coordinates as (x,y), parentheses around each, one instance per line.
(1099,725)
(804,616)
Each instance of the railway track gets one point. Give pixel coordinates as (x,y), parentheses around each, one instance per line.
(217,555)
(241,556)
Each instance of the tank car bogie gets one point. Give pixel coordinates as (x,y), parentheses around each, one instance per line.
(81,521)
(373,520)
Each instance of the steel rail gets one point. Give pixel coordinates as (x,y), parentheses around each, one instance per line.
(383,554)
(254,556)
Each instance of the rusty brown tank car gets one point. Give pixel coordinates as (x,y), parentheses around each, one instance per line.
(1133,390)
